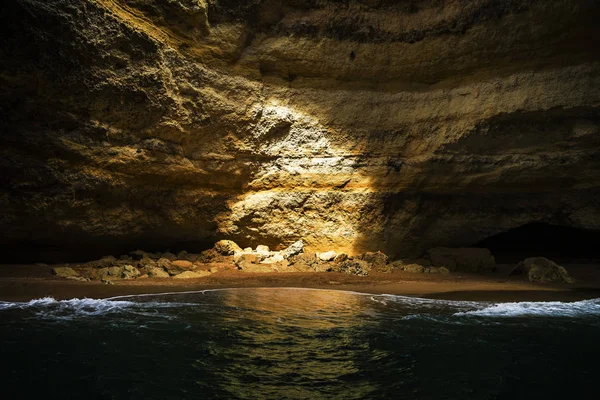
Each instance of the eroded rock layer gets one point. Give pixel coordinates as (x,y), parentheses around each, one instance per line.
(355,125)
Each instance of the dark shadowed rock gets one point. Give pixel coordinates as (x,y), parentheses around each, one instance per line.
(110,273)
(104,262)
(376,259)
(355,267)
(226,247)
(169,256)
(64,272)
(540,269)
(414,268)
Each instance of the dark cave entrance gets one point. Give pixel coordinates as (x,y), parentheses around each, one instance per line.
(555,242)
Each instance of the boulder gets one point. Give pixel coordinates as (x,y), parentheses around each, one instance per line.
(138,254)
(340,258)
(64,272)
(437,270)
(414,268)
(107,261)
(327,256)
(274,258)
(192,275)
(110,272)
(129,272)
(226,247)
(463,259)
(178,266)
(182,255)
(305,262)
(208,255)
(377,259)
(540,269)
(246,259)
(158,273)
(147,262)
(293,249)
(262,251)
(163,263)
(125,257)
(169,256)
(355,267)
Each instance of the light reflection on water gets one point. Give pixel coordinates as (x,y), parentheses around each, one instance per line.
(292,343)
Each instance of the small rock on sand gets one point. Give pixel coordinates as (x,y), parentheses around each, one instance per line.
(192,275)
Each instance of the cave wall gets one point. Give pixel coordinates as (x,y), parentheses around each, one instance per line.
(355,125)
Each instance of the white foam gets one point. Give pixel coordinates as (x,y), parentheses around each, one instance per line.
(542,309)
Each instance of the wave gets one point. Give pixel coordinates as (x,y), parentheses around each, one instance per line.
(541,309)
(410,307)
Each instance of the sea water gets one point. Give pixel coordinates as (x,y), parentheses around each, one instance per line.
(298,344)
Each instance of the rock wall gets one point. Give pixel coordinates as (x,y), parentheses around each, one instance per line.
(355,125)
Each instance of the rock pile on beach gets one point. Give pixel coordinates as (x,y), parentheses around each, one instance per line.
(540,269)
(227,255)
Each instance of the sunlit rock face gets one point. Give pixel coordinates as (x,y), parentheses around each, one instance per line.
(354,125)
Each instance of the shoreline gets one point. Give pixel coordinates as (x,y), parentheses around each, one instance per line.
(24,283)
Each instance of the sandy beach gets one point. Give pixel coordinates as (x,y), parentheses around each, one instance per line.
(26,282)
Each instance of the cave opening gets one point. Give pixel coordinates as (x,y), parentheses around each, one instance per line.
(559,243)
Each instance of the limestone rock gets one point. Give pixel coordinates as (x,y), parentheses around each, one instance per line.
(414,268)
(305,262)
(110,272)
(377,259)
(540,269)
(163,263)
(355,125)
(183,255)
(64,272)
(169,256)
(355,267)
(129,272)
(262,251)
(192,275)
(273,258)
(147,262)
(436,270)
(104,262)
(178,266)
(293,249)
(226,247)
(463,259)
(138,254)
(340,258)
(158,273)
(327,256)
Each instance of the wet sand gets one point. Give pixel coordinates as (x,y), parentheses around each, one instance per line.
(26,282)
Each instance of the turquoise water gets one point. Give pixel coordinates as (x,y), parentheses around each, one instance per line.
(298,344)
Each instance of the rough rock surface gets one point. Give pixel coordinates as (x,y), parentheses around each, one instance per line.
(357,125)
(355,267)
(463,259)
(65,272)
(540,269)
(158,273)
(192,275)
